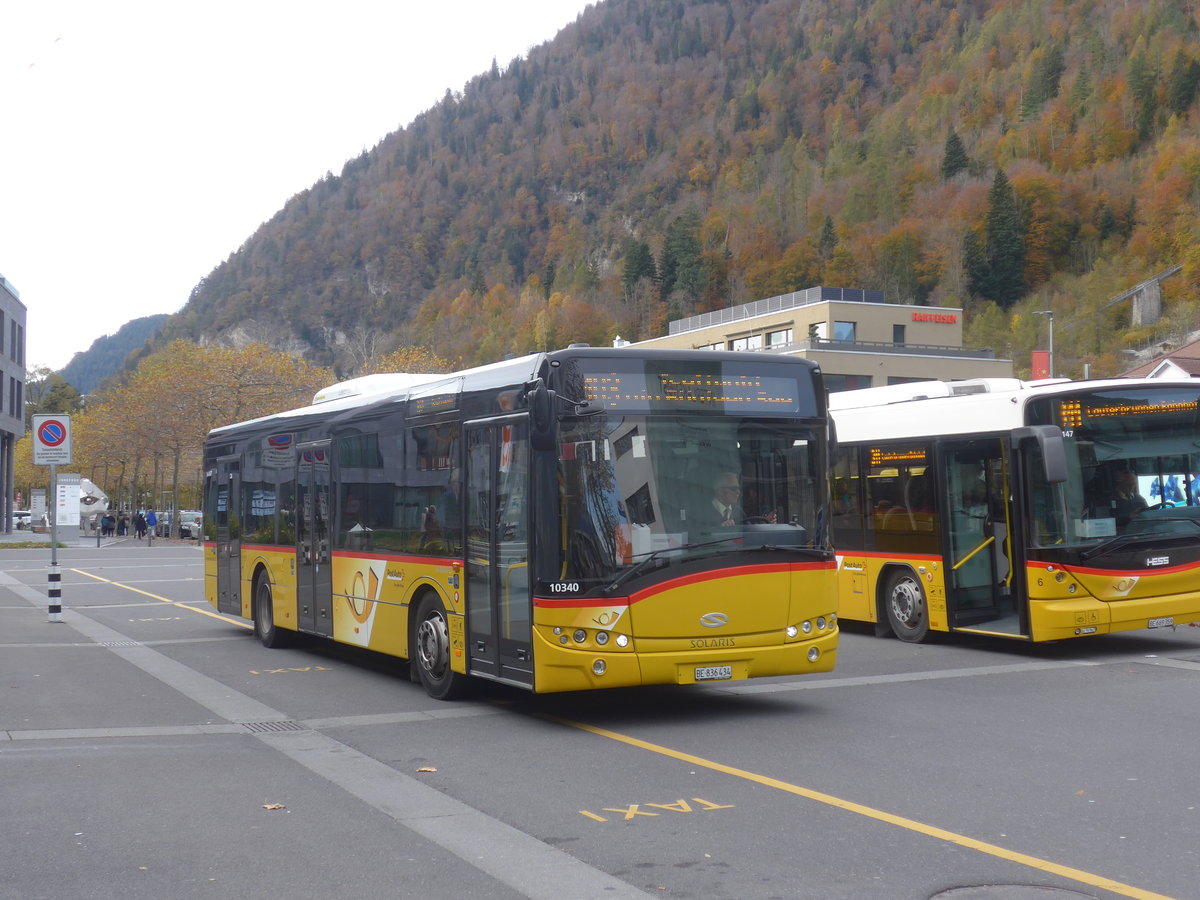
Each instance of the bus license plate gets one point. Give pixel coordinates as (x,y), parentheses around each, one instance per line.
(713,673)
(1162,622)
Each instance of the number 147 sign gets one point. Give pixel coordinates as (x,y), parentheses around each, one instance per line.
(51,440)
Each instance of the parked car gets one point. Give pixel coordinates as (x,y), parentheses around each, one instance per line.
(22,519)
(190,524)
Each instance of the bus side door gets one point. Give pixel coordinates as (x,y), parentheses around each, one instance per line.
(225,503)
(982,578)
(498,595)
(314,580)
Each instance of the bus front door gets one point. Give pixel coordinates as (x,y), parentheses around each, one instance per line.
(314,580)
(225,502)
(498,597)
(981,584)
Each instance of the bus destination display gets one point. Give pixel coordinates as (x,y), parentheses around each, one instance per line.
(1075,413)
(723,392)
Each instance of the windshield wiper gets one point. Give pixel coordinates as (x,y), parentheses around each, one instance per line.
(644,563)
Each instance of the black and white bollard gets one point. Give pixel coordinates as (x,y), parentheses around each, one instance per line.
(55,593)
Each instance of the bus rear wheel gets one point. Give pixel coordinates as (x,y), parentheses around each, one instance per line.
(907,611)
(264,615)
(432,656)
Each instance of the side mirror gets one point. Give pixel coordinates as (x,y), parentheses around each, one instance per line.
(1050,441)
(542,432)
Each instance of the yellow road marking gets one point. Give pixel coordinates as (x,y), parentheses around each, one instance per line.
(201,611)
(941,834)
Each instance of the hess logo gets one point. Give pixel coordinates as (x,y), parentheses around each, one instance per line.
(1158,561)
(714,620)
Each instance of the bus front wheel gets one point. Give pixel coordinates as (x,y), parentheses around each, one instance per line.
(432,639)
(264,615)
(907,611)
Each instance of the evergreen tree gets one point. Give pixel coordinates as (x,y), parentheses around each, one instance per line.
(1182,83)
(1043,81)
(1142,83)
(639,264)
(975,264)
(828,241)
(954,159)
(1003,243)
(681,267)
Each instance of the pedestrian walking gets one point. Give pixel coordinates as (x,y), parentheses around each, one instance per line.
(139,525)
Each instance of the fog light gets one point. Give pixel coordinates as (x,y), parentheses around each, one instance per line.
(832,619)
(622,640)
(599,667)
(806,626)
(580,635)
(814,653)
(601,638)
(557,629)
(562,639)
(792,631)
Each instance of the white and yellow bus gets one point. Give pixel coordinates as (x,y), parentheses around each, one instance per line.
(1031,510)
(539,522)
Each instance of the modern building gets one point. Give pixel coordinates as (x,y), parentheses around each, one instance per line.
(859,340)
(12,392)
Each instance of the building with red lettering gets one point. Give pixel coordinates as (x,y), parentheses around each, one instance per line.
(858,339)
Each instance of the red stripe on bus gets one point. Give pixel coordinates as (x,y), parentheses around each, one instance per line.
(674,583)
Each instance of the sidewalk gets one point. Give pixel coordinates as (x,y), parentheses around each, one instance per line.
(35,539)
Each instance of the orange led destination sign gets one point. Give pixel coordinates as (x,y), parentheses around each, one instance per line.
(889,456)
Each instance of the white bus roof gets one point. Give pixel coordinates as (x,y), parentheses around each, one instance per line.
(976,406)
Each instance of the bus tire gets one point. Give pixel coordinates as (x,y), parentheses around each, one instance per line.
(907,609)
(431,638)
(264,614)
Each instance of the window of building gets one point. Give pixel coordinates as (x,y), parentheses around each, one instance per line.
(897,334)
(751,342)
(903,379)
(843,331)
(835,383)
(779,338)
(1,332)
(719,345)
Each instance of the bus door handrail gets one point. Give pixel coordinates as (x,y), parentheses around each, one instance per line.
(966,559)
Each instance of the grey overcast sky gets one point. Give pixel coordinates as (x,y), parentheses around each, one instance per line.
(143,142)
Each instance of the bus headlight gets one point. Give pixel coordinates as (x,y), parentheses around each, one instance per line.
(580,635)
(806,626)
(792,631)
(601,638)
(622,640)
(820,623)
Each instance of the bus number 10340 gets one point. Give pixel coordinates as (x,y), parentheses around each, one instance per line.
(564,587)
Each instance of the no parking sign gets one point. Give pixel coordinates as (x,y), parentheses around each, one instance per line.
(51,440)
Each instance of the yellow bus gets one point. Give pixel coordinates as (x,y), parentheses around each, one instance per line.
(546,522)
(1031,510)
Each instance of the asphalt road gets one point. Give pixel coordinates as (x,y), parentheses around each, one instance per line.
(150,748)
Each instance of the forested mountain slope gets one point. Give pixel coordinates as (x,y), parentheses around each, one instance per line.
(661,158)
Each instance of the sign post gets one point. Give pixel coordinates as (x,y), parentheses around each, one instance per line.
(52,446)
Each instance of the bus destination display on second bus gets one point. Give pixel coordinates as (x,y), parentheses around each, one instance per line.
(639,391)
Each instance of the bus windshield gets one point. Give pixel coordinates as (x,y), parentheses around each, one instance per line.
(1133,464)
(643,492)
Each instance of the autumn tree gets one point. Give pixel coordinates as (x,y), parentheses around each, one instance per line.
(410,359)
(161,414)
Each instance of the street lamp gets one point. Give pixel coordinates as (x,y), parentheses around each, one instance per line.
(1049,313)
